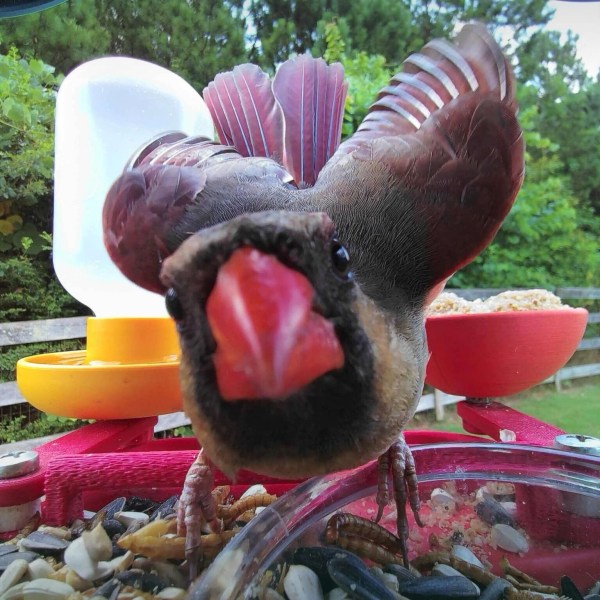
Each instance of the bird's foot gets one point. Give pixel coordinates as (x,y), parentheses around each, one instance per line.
(399,461)
(196,506)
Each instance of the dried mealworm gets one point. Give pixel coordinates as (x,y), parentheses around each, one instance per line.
(232,512)
(514,594)
(344,524)
(516,573)
(477,574)
(428,560)
(157,540)
(367,549)
(540,589)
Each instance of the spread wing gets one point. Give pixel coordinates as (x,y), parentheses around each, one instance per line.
(163,196)
(435,166)
(274,134)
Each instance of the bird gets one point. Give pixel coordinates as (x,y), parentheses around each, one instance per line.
(298,269)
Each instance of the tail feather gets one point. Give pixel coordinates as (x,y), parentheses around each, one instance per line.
(193,151)
(311,95)
(481,50)
(245,113)
(296,119)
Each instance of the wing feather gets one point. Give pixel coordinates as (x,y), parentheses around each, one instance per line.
(434,168)
(430,79)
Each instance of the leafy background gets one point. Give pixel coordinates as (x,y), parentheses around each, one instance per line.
(550,238)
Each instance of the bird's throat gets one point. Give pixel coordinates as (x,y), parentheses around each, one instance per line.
(269,341)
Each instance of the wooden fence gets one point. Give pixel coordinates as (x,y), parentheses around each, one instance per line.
(28,332)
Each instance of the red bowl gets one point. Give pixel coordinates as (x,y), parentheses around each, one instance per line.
(501,353)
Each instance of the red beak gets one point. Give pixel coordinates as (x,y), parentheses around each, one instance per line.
(270,343)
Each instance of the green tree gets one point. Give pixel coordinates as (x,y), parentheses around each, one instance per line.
(374,27)
(28,288)
(63,36)
(548,63)
(282,27)
(568,109)
(365,74)
(580,153)
(571,118)
(541,242)
(194,38)
(27,92)
(380,27)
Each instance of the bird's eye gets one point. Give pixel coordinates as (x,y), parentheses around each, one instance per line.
(340,258)
(173,304)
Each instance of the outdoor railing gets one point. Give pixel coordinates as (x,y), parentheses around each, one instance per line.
(29,332)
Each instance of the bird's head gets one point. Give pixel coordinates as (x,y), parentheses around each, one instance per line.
(269,289)
(277,342)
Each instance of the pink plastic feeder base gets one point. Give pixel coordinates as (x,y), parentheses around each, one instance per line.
(97,462)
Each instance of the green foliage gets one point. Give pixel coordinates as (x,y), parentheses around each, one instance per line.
(194,38)
(64,36)
(540,243)
(281,28)
(334,43)
(27,93)
(546,240)
(31,291)
(184,431)
(28,287)
(365,75)
(379,27)
(549,63)
(571,118)
(9,355)
(567,100)
(375,27)
(18,428)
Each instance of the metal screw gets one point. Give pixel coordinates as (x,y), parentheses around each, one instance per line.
(18,463)
(483,401)
(583,444)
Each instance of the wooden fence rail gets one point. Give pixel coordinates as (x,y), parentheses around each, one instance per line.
(28,332)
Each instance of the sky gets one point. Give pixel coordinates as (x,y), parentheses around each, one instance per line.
(583,18)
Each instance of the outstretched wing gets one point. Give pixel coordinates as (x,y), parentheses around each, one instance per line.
(175,185)
(439,158)
(163,196)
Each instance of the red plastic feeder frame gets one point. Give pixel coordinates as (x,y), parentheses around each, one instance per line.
(108,458)
(92,465)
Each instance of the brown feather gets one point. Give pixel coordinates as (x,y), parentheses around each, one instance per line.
(416,193)
(311,95)
(245,113)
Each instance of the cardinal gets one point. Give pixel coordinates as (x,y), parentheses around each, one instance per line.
(298,269)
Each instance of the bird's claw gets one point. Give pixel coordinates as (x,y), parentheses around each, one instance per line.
(196,506)
(400,462)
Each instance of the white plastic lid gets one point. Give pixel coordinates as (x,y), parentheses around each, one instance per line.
(106,109)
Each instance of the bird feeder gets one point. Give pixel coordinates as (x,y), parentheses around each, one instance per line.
(106,109)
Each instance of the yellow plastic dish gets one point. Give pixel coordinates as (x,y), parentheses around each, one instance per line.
(129,370)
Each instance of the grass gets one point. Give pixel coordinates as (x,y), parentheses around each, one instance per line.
(575,409)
